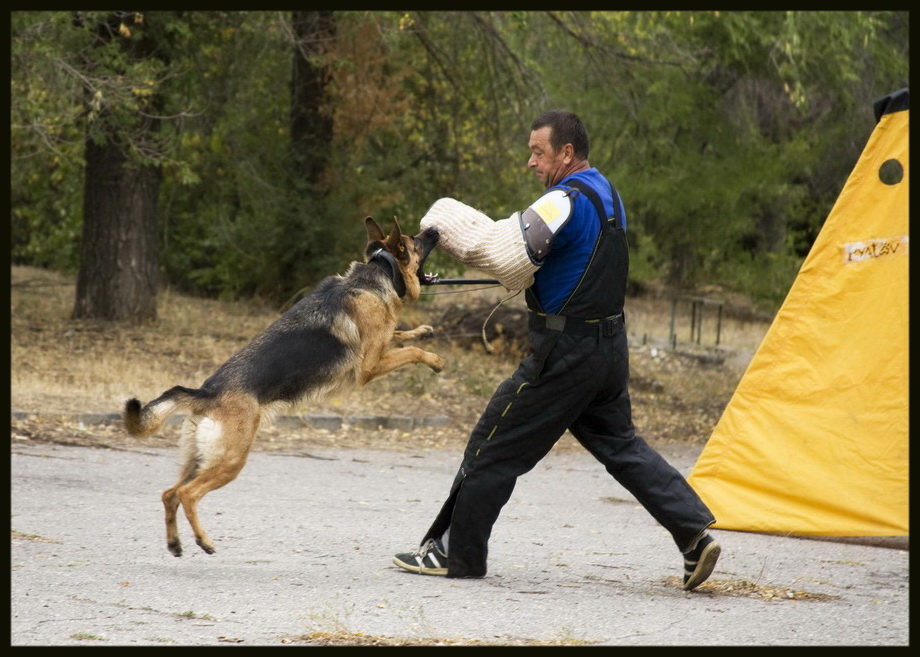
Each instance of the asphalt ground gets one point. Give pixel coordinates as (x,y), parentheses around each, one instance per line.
(304,557)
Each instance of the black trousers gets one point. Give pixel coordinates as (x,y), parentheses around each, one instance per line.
(574,382)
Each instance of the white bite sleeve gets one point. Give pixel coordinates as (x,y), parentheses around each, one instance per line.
(494,247)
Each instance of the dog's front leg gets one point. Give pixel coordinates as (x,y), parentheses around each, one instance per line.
(390,360)
(423,331)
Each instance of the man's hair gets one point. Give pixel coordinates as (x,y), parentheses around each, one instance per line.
(565,128)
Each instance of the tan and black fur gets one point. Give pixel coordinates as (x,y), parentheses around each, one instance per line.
(343,331)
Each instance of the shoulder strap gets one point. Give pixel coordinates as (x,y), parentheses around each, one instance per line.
(588,191)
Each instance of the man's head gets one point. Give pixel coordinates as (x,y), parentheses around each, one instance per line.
(558,146)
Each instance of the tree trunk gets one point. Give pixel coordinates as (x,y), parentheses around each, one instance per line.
(772,226)
(119,263)
(118,254)
(311,120)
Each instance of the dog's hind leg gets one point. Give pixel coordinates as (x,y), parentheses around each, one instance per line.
(190,464)
(223,440)
(190,495)
(171,506)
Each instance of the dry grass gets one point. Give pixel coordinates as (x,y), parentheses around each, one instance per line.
(63,366)
(358,639)
(742,588)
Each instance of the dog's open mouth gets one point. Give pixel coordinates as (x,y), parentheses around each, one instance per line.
(426,240)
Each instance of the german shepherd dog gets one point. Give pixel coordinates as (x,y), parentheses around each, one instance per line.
(343,331)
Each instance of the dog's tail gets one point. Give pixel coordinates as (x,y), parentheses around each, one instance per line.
(144,420)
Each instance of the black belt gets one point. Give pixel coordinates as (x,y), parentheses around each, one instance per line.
(605,327)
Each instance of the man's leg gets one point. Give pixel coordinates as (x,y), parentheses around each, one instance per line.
(606,430)
(522,422)
(641,470)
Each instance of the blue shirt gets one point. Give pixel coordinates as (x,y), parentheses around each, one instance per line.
(573,245)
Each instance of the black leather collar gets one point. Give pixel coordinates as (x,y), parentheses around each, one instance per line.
(384,258)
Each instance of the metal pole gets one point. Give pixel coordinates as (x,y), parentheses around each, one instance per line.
(699,323)
(693,303)
(719,325)
(673,311)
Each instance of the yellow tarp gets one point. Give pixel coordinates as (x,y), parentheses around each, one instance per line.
(815,438)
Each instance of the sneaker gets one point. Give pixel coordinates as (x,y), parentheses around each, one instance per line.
(700,561)
(429,559)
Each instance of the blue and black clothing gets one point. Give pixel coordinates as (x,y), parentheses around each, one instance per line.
(574,245)
(574,378)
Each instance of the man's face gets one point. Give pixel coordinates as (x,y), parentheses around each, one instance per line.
(547,163)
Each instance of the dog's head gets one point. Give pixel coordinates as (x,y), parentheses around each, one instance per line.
(409,252)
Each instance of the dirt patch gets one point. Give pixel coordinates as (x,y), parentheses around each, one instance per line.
(359,639)
(741,588)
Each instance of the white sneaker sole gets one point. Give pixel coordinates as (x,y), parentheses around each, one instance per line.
(704,566)
(421,570)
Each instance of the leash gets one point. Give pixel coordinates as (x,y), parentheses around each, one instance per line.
(435,294)
(428,280)
(485,341)
(434,279)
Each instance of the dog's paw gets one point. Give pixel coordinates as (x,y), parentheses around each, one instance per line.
(175,547)
(436,363)
(425,331)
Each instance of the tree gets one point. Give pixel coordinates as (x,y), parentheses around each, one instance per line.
(119,257)
(311,137)
(311,117)
(97,76)
(118,271)
(728,133)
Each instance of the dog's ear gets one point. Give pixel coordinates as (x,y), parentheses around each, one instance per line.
(374,233)
(393,241)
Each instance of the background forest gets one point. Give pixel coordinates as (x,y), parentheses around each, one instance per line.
(235,154)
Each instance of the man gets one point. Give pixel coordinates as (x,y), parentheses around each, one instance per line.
(569,250)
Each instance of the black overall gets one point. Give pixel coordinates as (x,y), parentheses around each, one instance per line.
(575,377)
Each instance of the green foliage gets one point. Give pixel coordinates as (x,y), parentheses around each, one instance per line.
(45,228)
(729,134)
(764,277)
(45,147)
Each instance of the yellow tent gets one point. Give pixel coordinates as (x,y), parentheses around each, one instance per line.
(814,440)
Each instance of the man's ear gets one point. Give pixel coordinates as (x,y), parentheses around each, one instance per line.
(374,234)
(568,152)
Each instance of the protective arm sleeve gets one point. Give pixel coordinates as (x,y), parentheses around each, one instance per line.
(496,248)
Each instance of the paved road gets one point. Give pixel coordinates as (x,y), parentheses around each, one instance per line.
(304,548)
